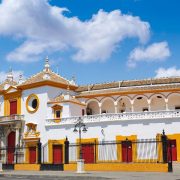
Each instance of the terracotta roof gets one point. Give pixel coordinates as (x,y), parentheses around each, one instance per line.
(44,76)
(129,86)
(11,83)
(129,83)
(61,99)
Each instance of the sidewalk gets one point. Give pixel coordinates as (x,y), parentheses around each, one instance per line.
(93,175)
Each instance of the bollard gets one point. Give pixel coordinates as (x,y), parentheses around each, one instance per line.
(80,166)
(1,166)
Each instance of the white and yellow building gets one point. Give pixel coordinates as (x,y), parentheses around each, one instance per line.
(46,107)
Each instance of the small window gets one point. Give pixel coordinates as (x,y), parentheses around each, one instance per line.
(122,110)
(34,103)
(58,114)
(145,109)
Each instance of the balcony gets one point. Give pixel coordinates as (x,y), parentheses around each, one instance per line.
(117,117)
(11,119)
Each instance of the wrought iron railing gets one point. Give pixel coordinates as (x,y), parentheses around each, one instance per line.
(11,118)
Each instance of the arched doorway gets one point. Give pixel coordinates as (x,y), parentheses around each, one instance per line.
(11,147)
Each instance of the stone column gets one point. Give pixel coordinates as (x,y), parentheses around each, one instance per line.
(100,104)
(167,107)
(115,106)
(132,105)
(149,104)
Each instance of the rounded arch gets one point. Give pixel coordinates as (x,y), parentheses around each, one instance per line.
(123,104)
(107,105)
(140,103)
(140,95)
(173,94)
(90,100)
(157,102)
(107,98)
(174,101)
(92,107)
(127,97)
(155,95)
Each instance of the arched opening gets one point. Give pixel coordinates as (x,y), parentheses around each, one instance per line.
(11,147)
(108,106)
(174,102)
(92,108)
(123,105)
(141,104)
(158,103)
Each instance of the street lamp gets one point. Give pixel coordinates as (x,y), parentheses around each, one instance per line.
(80,127)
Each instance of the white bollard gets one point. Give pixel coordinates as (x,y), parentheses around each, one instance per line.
(80,166)
(1,166)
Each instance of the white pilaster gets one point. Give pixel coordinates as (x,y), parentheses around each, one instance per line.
(100,104)
(167,106)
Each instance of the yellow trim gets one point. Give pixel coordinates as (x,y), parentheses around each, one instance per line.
(27,167)
(127,167)
(30,142)
(177,138)
(90,141)
(119,146)
(47,83)
(12,96)
(50,147)
(27,101)
(57,107)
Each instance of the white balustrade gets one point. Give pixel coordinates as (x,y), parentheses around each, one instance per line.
(11,118)
(117,117)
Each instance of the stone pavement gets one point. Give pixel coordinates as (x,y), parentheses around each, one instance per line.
(47,175)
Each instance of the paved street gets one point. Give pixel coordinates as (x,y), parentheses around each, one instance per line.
(52,175)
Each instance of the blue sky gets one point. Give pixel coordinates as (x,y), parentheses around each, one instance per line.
(95,40)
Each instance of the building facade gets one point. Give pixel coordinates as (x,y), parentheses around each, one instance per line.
(46,107)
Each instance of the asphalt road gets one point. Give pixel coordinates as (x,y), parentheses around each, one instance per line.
(89,176)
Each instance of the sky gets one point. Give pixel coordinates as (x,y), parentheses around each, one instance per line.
(96,41)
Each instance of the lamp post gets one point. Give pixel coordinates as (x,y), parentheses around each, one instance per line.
(2,134)
(80,127)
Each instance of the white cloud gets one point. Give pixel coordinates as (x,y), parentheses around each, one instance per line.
(16,74)
(45,29)
(154,52)
(169,72)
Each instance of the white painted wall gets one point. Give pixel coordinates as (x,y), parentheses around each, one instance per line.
(76,110)
(1,105)
(143,129)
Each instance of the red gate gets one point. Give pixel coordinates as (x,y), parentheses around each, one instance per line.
(126,151)
(172,149)
(11,147)
(57,154)
(88,153)
(13,107)
(32,155)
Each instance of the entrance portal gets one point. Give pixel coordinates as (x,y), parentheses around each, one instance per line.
(11,147)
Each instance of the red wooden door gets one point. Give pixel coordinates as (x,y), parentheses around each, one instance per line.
(57,154)
(126,151)
(88,153)
(32,155)
(11,147)
(172,149)
(13,107)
